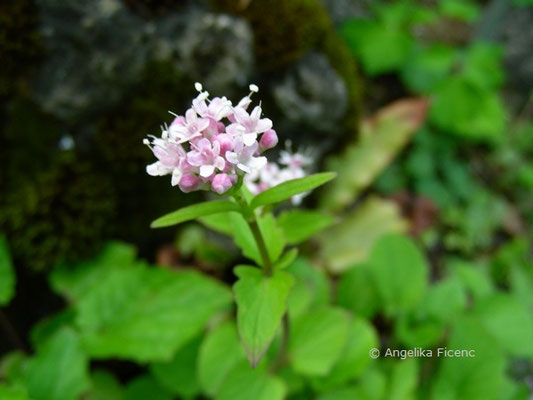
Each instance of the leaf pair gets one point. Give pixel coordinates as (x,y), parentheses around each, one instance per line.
(273,195)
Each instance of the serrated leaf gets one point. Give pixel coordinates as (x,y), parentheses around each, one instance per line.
(357,292)
(194,211)
(261,303)
(219,353)
(7,274)
(473,378)
(312,287)
(427,67)
(286,190)
(59,371)
(300,225)
(146,314)
(179,375)
(381,139)
(74,281)
(509,322)
(13,392)
(245,383)
(317,340)
(354,358)
(403,380)
(349,242)
(381,47)
(400,273)
(465,109)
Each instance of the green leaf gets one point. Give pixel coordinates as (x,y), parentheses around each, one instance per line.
(473,378)
(245,240)
(146,314)
(7,274)
(349,242)
(312,287)
(467,110)
(445,300)
(403,380)
(400,273)
(354,357)
(105,386)
(75,281)
(221,222)
(287,259)
(427,67)
(286,190)
(473,277)
(194,211)
(381,138)
(146,387)
(245,383)
(219,353)
(347,393)
(272,235)
(317,340)
(261,303)
(13,393)
(59,371)
(300,225)
(381,47)
(357,292)
(179,375)
(47,327)
(509,322)
(483,66)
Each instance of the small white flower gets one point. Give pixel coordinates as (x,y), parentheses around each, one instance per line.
(243,157)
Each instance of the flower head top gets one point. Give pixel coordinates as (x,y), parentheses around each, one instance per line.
(212,144)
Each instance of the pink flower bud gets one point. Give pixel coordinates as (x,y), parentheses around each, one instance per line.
(221,183)
(226,143)
(189,183)
(268,140)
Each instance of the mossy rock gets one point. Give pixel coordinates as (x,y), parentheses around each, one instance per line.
(284,31)
(20,44)
(61,214)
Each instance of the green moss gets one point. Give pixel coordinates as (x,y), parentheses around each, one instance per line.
(283,30)
(20,44)
(118,141)
(61,214)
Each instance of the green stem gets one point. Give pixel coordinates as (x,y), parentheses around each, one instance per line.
(251,219)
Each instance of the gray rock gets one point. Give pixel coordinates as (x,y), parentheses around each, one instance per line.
(312,94)
(216,49)
(95,49)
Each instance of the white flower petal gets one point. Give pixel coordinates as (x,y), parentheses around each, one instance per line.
(207,170)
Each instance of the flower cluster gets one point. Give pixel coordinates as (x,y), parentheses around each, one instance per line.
(213,144)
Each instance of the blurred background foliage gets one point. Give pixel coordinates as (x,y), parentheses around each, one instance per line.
(423,108)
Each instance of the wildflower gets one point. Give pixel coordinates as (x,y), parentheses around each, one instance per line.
(214,143)
(184,130)
(207,157)
(243,156)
